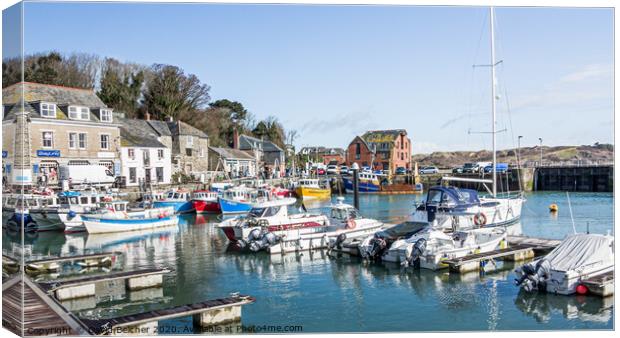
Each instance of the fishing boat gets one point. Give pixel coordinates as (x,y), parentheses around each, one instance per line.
(367,182)
(17,209)
(578,257)
(115,217)
(206,201)
(179,200)
(236,200)
(309,188)
(429,247)
(66,214)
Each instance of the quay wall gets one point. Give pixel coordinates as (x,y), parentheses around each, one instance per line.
(582,178)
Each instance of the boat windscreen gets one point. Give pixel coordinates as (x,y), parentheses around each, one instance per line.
(402,229)
(256,212)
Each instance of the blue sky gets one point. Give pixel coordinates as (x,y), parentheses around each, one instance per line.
(332,72)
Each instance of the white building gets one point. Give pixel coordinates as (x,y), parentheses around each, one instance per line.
(144,154)
(236,163)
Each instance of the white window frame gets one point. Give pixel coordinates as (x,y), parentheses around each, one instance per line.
(85,141)
(131,154)
(108,141)
(75,146)
(190,141)
(43,132)
(105,112)
(160,154)
(79,110)
(49,108)
(202,152)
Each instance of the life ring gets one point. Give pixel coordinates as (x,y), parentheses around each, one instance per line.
(351,224)
(480,219)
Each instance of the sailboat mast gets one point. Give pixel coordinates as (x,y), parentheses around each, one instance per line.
(494,168)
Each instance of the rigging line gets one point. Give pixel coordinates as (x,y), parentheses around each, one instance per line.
(471,86)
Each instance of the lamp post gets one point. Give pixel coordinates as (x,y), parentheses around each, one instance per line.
(540,139)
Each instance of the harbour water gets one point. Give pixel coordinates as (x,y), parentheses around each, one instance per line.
(315,292)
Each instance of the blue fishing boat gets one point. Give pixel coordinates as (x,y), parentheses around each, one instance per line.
(237,200)
(179,200)
(116,217)
(367,182)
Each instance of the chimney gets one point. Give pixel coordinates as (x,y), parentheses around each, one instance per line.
(235,139)
(170,119)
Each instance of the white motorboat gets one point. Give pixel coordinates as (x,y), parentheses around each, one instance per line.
(18,209)
(430,246)
(578,257)
(115,217)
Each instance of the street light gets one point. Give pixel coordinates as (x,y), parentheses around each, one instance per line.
(540,139)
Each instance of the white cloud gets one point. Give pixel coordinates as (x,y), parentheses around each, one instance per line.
(592,71)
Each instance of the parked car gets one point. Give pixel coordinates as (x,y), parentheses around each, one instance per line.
(429,170)
(344,170)
(400,171)
(500,168)
(471,168)
(457,170)
(320,171)
(332,169)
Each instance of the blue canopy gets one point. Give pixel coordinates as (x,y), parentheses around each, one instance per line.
(69,194)
(453,195)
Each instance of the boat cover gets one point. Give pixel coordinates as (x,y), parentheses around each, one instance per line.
(581,250)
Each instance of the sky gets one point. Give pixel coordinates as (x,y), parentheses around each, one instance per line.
(333,72)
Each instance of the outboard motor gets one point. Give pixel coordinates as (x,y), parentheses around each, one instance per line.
(241,244)
(378,247)
(339,240)
(255,246)
(255,235)
(534,276)
(413,259)
(271,238)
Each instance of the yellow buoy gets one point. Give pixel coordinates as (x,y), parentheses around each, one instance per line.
(553,207)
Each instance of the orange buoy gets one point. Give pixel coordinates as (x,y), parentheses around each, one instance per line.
(553,207)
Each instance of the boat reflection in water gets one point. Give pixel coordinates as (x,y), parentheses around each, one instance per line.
(541,306)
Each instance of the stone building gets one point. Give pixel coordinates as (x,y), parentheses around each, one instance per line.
(269,157)
(381,150)
(190,150)
(66,126)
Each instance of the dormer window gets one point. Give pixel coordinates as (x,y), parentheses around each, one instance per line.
(79,113)
(105,115)
(48,110)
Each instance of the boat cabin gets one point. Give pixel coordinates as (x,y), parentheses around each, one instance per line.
(271,211)
(29,202)
(178,196)
(204,195)
(240,193)
(115,206)
(311,183)
(81,198)
(451,197)
(367,176)
(343,212)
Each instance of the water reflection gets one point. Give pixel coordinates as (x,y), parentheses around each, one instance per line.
(584,308)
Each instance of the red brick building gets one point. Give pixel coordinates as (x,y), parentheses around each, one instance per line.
(381,149)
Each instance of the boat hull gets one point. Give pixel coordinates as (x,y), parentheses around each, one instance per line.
(207,207)
(307,193)
(180,207)
(234,207)
(96,225)
(363,185)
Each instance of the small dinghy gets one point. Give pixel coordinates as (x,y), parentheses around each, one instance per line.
(578,257)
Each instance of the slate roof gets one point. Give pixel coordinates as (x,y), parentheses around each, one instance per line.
(37,92)
(160,126)
(229,153)
(185,129)
(247,142)
(138,133)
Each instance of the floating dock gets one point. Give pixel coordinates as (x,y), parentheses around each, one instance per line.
(208,313)
(602,285)
(87,286)
(51,264)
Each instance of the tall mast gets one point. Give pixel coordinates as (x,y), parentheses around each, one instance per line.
(494,168)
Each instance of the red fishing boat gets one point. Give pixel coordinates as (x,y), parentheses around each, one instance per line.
(206,201)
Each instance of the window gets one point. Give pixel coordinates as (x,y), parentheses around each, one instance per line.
(48,139)
(190,141)
(79,113)
(105,115)
(105,141)
(202,152)
(188,151)
(357,151)
(82,140)
(159,172)
(132,175)
(160,154)
(48,109)
(131,154)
